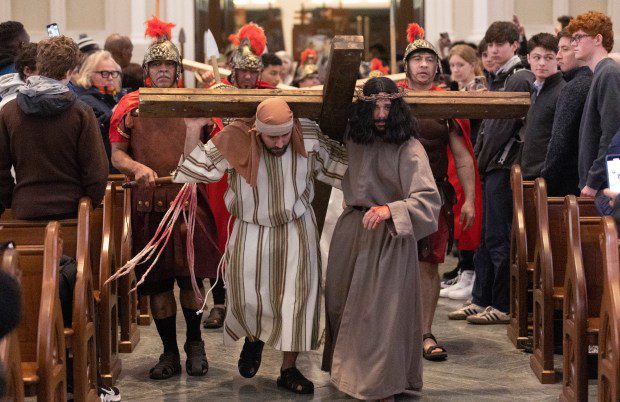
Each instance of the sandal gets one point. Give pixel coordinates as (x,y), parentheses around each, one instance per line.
(293,380)
(249,360)
(169,364)
(435,352)
(216,318)
(196,363)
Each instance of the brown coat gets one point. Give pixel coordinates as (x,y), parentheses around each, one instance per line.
(57,158)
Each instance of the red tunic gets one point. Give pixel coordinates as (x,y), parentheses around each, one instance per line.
(470,238)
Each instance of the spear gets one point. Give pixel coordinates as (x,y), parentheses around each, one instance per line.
(212,54)
(182,42)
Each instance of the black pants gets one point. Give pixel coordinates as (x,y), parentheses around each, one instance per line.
(492,259)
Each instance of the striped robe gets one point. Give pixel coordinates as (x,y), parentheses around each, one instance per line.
(273,261)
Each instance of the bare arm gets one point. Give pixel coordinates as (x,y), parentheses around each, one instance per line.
(193,133)
(464,164)
(121,160)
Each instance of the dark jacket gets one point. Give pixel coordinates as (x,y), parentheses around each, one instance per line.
(599,123)
(7,61)
(54,143)
(102,105)
(560,170)
(538,126)
(497,144)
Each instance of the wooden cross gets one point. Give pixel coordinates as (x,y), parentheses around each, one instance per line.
(331,106)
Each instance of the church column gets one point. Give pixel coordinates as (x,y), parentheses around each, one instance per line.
(183,17)
(287,12)
(437,19)
(613,10)
(5,10)
(58,14)
(138,16)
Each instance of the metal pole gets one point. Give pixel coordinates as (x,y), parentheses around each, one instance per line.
(393,68)
(366,36)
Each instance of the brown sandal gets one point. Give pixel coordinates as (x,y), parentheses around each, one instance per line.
(216,318)
(435,352)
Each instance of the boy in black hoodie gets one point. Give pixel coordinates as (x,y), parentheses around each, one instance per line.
(497,148)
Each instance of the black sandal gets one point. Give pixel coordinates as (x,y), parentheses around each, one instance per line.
(249,360)
(293,380)
(196,363)
(169,364)
(216,318)
(430,352)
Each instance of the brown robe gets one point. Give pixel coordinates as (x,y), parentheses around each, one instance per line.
(372,295)
(152,144)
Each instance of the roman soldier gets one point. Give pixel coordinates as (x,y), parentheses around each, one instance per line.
(308,72)
(144,148)
(447,144)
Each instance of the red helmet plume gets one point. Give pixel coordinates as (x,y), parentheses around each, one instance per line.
(256,36)
(157,29)
(306,54)
(414,31)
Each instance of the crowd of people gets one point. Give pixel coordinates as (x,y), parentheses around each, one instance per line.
(412,188)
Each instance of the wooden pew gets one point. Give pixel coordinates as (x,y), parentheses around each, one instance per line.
(41,333)
(82,241)
(609,332)
(127,302)
(522,241)
(582,303)
(104,260)
(550,258)
(10,357)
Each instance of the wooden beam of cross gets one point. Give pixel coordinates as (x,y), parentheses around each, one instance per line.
(330,106)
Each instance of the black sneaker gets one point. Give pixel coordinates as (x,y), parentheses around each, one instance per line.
(109,394)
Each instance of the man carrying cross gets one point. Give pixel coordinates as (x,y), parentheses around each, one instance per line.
(272,259)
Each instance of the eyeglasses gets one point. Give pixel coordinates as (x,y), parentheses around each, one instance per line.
(108,74)
(577,38)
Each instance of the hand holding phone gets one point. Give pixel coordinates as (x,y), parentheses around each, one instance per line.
(52,30)
(613,172)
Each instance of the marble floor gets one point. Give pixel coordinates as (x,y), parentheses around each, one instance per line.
(482,366)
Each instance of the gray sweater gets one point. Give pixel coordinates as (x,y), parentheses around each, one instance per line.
(560,170)
(599,123)
(538,126)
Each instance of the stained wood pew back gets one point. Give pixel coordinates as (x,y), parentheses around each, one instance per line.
(41,331)
(81,337)
(10,357)
(583,295)
(550,259)
(522,241)
(127,302)
(609,332)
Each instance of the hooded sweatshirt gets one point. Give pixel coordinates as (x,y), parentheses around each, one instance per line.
(9,84)
(53,141)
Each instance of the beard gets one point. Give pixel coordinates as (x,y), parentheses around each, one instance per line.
(379,129)
(275,151)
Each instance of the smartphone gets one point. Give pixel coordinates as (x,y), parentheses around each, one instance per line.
(52,30)
(613,172)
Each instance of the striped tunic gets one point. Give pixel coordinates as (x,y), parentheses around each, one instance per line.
(273,261)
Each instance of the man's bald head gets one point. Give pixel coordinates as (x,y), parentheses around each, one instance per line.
(121,48)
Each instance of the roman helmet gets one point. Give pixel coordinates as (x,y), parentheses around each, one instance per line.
(161,49)
(307,64)
(251,42)
(415,37)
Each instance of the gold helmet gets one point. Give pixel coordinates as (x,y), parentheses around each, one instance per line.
(308,65)
(162,49)
(377,69)
(251,41)
(415,37)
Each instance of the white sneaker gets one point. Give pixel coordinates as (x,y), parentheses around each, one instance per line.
(446,291)
(465,311)
(465,286)
(489,316)
(449,282)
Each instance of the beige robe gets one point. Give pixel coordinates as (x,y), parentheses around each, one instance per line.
(372,296)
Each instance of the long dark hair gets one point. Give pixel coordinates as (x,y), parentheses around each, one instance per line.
(400,126)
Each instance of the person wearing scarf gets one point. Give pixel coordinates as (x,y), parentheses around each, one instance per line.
(272,257)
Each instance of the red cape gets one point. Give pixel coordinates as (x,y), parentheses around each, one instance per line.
(470,238)
(126,104)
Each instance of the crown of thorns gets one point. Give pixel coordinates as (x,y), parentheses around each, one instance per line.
(380,96)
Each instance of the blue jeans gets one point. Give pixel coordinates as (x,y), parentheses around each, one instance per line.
(492,259)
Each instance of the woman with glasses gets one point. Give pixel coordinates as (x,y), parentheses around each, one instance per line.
(99,85)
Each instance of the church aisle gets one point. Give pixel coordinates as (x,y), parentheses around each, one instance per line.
(482,366)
